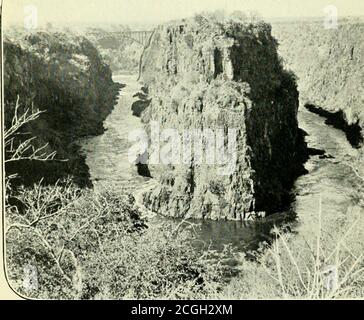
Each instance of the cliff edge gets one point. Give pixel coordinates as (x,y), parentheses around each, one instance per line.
(65,76)
(329,66)
(226,75)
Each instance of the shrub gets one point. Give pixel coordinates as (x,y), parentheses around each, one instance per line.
(216,187)
(88,245)
(324,260)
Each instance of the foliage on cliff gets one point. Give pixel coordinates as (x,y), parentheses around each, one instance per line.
(328,63)
(214,73)
(65,76)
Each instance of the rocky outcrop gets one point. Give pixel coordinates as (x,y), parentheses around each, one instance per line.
(65,76)
(329,66)
(221,75)
(141,104)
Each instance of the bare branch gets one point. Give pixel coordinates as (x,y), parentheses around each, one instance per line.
(25,150)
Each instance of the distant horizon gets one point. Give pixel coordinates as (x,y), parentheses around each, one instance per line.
(153,12)
(151,24)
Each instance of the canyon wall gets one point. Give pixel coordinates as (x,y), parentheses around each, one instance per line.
(65,76)
(329,67)
(221,75)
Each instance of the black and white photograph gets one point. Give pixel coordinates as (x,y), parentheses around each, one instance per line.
(182,150)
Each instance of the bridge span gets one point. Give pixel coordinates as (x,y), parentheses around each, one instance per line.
(141,37)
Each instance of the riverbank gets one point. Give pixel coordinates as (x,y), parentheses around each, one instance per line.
(328,65)
(107,158)
(328,176)
(65,77)
(321,255)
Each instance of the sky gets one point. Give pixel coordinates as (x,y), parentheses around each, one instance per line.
(63,12)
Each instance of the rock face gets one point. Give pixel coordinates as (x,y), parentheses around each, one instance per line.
(65,76)
(221,75)
(329,66)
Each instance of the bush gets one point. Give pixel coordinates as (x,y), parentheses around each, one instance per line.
(86,245)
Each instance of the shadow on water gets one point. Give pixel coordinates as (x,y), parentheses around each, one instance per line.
(243,236)
(108,162)
(107,157)
(337,120)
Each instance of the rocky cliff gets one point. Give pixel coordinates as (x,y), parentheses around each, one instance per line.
(329,66)
(65,76)
(221,75)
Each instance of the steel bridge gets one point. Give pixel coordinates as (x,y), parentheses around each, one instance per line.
(140,37)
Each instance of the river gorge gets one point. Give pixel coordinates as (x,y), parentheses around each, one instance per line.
(327,175)
(268,201)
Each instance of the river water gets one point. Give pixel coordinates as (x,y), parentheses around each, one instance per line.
(328,178)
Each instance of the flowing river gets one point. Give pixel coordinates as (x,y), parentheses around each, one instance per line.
(328,177)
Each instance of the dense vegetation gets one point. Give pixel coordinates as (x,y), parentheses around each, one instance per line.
(88,245)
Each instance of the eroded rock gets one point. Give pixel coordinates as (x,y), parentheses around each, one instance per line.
(221,75)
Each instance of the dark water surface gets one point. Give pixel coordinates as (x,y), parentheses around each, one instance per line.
(328,177)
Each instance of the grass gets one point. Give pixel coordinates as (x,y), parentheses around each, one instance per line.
(322,260)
